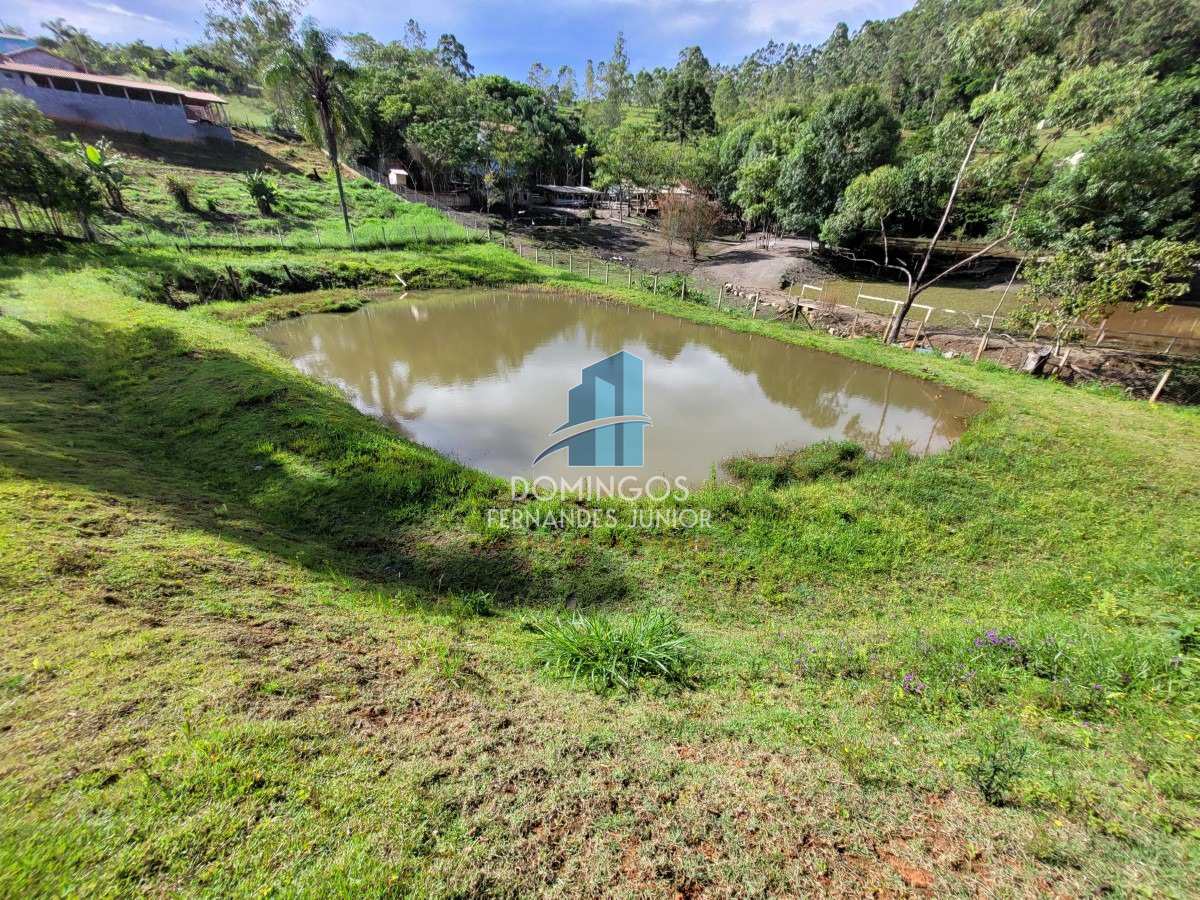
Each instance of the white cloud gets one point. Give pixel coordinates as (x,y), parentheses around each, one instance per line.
(118,10)
(781,20)
(166,21)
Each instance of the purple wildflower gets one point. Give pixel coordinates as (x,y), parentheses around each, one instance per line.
(912,684)
(993,638)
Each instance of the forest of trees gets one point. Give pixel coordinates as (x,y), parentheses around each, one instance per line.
(1066,126)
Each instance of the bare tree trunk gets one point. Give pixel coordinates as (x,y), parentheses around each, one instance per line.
(915,285)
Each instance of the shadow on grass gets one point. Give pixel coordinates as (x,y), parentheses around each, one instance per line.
(212,156)
(221,442)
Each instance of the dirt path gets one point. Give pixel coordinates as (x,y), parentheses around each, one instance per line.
(743,263)
(749,265)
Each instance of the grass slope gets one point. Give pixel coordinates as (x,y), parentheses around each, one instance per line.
(223,213)
(254,642)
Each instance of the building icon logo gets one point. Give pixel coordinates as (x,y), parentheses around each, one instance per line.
(606,418)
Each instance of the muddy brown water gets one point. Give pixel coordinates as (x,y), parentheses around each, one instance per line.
(963,304)
(483,375)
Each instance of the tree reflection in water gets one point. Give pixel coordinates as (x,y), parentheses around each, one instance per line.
(483,376)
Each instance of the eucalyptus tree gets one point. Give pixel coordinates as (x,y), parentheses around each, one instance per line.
(304,70)
(1005,136)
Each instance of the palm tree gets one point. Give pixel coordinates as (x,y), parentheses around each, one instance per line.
(306,71)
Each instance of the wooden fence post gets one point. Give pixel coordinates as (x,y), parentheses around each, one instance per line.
(916,337)
(629,280)
(606,271)
(654,286)
(1162,382)
(720,295)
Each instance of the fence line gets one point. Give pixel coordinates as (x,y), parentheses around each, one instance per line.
(782,306)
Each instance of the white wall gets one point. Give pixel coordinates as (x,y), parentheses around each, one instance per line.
(95,110)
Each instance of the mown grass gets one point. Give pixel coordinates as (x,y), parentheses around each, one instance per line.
(253,641)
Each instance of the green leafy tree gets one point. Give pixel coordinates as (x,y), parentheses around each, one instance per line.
(565,87)
(589,81)
(685,104)
(1013,125)
(36,176)
(634,157)
(75,44)
(246,33)
(851,132)
(414,35)
(305,71)
(511,150)
(452,56)
(866,206)
(1138,178)
(1084,281)
(726,101)
(618,83)
(757,191)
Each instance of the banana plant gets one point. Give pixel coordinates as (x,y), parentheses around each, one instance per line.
(107,166)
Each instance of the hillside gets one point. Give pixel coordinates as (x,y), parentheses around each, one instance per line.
(254,641)
(222,209)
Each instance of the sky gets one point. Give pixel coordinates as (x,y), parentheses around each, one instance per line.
(501,36)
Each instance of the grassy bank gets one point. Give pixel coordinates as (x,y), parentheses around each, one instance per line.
(196,196)
(254,641)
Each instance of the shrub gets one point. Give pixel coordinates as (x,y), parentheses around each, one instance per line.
(263,190)
(35,173)
(1001,762)
(607,652)
(181,192)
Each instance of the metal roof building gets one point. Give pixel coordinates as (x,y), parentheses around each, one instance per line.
(111,102)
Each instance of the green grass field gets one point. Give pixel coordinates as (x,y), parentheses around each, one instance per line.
(253,642)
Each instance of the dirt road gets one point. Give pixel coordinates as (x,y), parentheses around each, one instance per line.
(750,264)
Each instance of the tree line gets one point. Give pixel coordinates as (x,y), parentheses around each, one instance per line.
(1066,127)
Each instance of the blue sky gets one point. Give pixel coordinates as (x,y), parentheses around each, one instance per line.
(505,37)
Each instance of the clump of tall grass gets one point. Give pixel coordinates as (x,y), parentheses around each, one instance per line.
(606,652)
(180,191)
(837,459)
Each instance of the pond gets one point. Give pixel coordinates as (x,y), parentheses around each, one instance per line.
(483,376)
